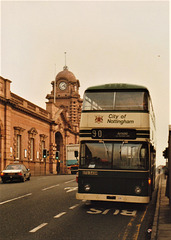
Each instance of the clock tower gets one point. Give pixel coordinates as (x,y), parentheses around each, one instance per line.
(65,95)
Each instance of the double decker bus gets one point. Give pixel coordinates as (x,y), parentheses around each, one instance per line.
(117,144)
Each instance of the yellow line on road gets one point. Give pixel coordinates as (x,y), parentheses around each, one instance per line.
(135,237)
(128,228)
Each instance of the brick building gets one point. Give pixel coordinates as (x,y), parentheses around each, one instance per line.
(26,129)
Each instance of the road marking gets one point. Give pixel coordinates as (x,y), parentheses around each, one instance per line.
(131,213)
(70,189)
(76,205)
(135,237)
(70,181)
(13,199)
(38,227)
(60,215)
(44,189)
(106,211)
(94,211)
(116,212)
(128,228)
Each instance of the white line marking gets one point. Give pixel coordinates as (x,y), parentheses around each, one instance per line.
(76,205)
(70,189)
(60,215)
(44,189)
(13,199)
(106,211)
(71,181)
(38,227)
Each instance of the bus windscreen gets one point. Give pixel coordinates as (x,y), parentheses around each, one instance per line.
(99,101)
(118,155)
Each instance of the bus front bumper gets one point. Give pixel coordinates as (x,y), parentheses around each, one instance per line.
(113,198)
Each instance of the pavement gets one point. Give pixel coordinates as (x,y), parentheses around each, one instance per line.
(161,229)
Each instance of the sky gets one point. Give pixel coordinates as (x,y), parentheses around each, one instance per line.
(104,41)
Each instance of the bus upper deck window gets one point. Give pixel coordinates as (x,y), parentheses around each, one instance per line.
(145,102)
(130,101)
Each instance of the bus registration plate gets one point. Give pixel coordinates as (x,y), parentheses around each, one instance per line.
(94,173)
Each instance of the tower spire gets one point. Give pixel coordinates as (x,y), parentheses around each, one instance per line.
(65,67)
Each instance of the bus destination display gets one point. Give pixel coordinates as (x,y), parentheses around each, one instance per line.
(113,133)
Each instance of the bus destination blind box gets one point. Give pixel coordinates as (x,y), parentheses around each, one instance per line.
(113,133)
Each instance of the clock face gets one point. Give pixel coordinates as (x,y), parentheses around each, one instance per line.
(62,85)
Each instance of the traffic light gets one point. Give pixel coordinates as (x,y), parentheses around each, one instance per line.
(57,155)
(76,154)
(44,153)
(165,153)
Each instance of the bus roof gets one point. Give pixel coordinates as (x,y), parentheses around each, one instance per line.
(117,86)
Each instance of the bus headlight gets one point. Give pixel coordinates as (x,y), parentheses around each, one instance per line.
(87,187)
(137,190)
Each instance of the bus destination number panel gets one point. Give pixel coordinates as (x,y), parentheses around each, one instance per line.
(113,133)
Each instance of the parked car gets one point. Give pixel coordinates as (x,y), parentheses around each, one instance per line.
(15,172)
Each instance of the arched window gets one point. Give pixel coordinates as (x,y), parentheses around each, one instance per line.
(31,143)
